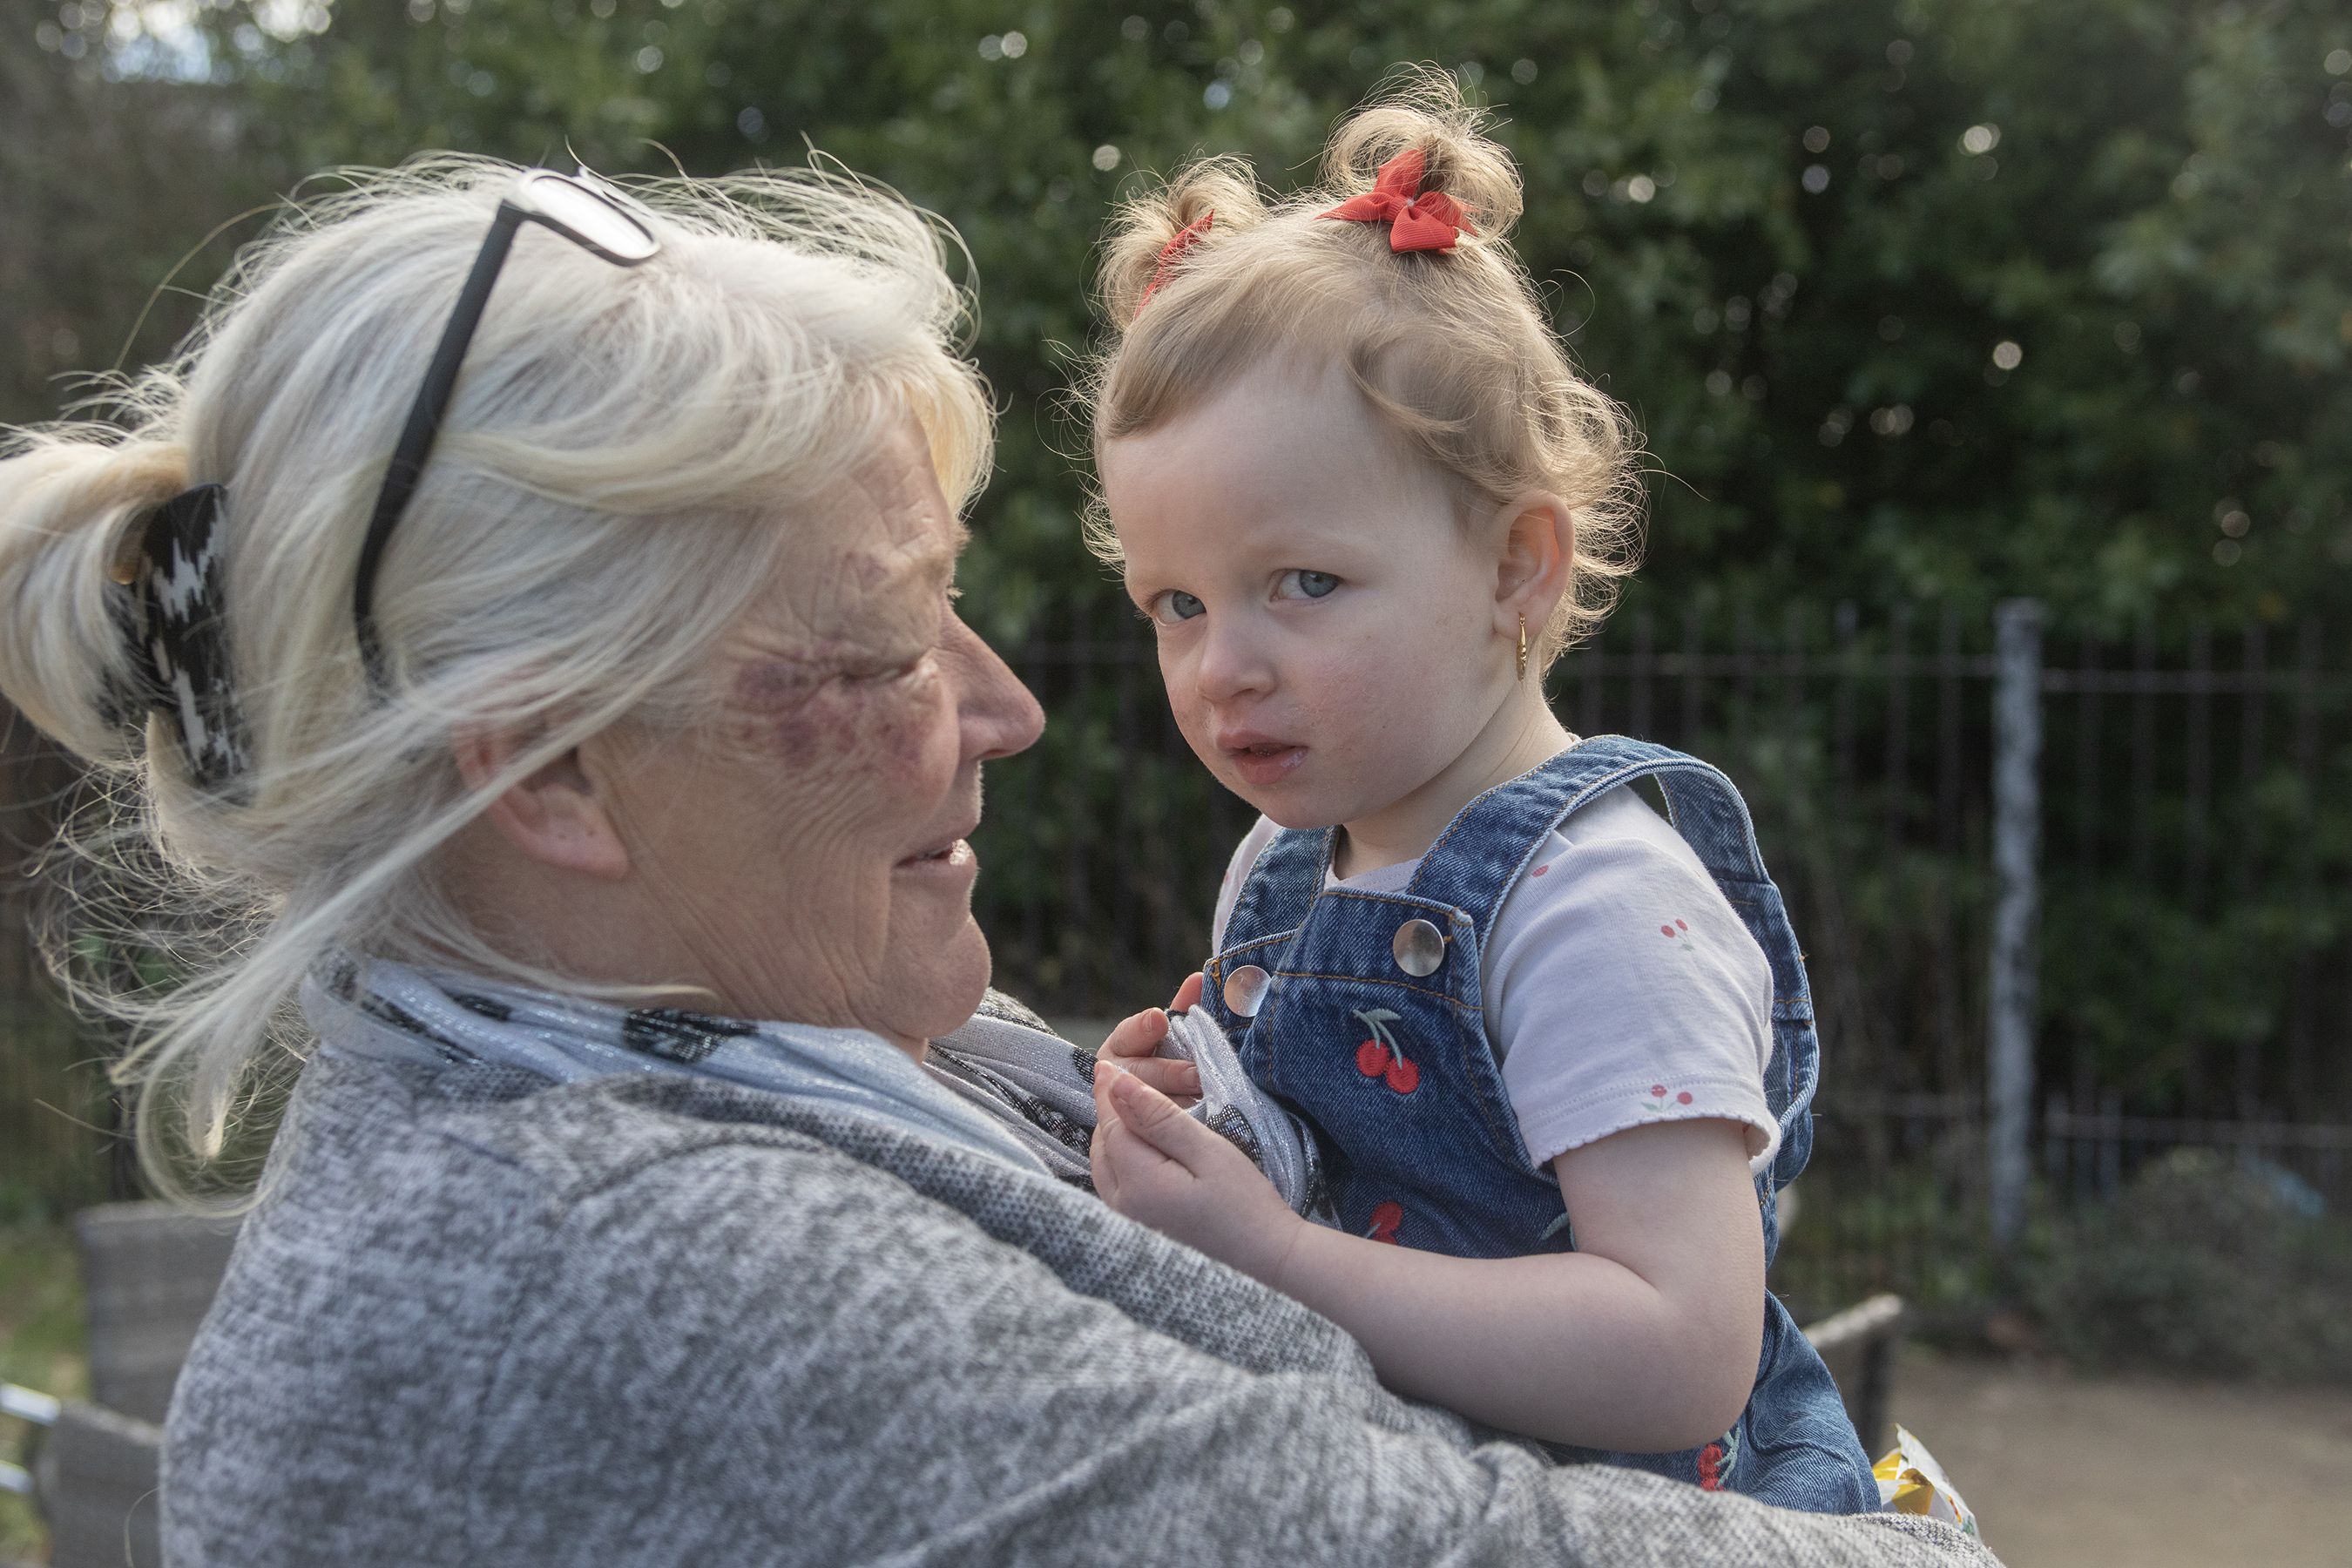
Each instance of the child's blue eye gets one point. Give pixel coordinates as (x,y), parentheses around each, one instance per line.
(1310,585)
(1178,605)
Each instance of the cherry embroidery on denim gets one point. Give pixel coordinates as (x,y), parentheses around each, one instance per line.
(1660,1102)
(1381,1057)
(1386,1217)
(1716,1459)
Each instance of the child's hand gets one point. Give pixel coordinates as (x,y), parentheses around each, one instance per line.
(1130,1045)
(1155,1165)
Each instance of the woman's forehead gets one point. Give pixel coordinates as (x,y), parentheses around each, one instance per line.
(877,545)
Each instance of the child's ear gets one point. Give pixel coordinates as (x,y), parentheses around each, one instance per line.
(1535,553)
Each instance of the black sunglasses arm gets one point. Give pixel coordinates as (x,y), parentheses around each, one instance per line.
(423,425)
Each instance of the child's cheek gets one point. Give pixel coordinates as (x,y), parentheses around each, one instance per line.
(1362,687)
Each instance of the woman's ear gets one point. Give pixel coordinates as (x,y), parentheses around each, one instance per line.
(552,814)
(1536,556)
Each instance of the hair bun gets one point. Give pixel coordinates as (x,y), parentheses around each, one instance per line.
(1144,225)
(68,498)
(1421,108)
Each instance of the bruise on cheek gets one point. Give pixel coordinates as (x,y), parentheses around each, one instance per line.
(776,686)
(814,710)
(792,705)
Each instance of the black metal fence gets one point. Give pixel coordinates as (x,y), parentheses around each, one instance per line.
(2194,879)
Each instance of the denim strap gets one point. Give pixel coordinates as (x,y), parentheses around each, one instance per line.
(1485,849)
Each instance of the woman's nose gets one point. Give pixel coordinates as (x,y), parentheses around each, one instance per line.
(999,715)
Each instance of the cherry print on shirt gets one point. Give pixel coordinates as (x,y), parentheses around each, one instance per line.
(1386,1218)
(1659,1102)
(1540,870)
(1679,934)
(1381,1057)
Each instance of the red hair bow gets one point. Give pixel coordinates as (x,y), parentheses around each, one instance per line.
(1416,220)
(1182,240)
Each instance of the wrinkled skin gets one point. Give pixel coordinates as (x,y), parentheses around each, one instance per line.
(780,860)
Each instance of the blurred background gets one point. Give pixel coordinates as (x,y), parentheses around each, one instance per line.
(1992,357)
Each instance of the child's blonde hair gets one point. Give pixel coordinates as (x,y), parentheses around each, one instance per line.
(1453,347)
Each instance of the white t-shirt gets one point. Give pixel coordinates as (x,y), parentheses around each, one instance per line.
(1620,987)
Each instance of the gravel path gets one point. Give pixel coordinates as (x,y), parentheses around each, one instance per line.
(2138,1472)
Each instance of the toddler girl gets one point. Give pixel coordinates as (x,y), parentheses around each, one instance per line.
(1557,1049)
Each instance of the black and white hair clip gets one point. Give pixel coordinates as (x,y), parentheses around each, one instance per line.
(172,578)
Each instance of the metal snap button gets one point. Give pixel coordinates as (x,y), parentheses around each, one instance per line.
(1246,990)
(1419,948)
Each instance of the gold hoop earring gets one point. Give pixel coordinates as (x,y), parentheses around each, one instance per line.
(1523,648)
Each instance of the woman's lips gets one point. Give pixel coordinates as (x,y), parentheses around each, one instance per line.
(1268,763)
(955,859)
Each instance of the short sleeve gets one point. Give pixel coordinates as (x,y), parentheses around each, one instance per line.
(1623,989)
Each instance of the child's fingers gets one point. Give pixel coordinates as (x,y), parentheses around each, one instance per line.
(1116,1157)
(1179,1081)
(1153,1119)
(1098,1150)
(1138,1035)
(1188,995)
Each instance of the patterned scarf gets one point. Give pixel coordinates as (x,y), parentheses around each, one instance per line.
(1003,1086)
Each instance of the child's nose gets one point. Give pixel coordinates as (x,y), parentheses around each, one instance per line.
(1232,665)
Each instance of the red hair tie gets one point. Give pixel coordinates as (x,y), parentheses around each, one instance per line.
(1416,220)
(1171,253)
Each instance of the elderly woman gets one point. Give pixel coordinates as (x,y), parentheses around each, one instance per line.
(560,740)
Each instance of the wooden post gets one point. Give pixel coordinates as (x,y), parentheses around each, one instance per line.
(2016,968)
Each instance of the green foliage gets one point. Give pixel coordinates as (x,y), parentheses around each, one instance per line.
(53,1154)
(2201,1268)
(1848,1233)
(2149,200)
(42,1346)
(1917,300)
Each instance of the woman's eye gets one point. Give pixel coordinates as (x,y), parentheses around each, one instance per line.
(1308,584)
(877,674)
(1177,605)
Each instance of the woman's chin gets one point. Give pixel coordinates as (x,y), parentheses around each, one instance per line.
(941,984)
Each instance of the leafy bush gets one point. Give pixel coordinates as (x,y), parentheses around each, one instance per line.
(2201,1268)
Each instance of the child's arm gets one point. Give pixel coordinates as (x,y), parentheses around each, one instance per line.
(1645,1339)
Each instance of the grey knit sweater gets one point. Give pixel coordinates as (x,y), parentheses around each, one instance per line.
(672,1321)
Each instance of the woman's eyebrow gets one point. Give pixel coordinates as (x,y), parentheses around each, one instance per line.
(937,560)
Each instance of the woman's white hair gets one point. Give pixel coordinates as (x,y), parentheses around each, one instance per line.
(613,486)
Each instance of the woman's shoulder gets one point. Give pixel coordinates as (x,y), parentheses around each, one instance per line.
(408,1139)
(554,1327)
(451,1290)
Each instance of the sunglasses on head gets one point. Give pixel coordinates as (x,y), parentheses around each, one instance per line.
(560,202)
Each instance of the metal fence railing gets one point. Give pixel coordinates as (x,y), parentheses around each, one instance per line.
(2186,912)
(2188,904)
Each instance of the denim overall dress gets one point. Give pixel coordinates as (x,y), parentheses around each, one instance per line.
(1314,984)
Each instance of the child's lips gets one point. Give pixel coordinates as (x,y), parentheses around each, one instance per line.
(1263,762)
